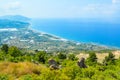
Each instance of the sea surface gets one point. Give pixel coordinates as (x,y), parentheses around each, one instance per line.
(106,33)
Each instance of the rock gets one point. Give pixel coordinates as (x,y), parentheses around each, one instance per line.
(53,64)
(81,63)
(54,67)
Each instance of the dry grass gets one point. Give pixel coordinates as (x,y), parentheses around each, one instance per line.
(21,68)
(100,56)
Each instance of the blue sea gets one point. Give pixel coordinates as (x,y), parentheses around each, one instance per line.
(102,32)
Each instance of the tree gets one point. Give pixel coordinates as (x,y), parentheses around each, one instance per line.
(2,56)
(61,56)
(110,59)
(92,59)
(5,48)
(41,56)
(14,52)
(71,57)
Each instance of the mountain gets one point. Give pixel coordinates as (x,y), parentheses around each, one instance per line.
(14,21)
(16,18)
(19,33)
(5,23)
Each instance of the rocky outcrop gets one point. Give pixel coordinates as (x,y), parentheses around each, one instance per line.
(81,63)
(53,64)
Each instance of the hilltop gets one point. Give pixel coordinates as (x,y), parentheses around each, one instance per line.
(16,18)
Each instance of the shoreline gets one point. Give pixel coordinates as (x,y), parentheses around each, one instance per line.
(77,42)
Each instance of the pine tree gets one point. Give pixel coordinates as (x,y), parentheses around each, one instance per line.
(110,59)
(62,56)
(5,48)
(72,57)
(41,56)
(14,51)
(92,59)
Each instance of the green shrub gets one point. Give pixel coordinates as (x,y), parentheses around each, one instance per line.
(88,72)
(14,51)
(62,56)
(71,57)
(110,59)
(4,77)
(5,48)
(41,56)
(92,59)
(26,77)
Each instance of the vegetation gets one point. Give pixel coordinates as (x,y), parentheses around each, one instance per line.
(18,64)
(110,59)
(92,59)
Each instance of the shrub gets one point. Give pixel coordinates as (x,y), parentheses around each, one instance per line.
(26,77)
(88,72)
(14,51)
(92,59)
(5,48)
(110,59)
(71,57)
(4,77)
(41,56)
(62,56)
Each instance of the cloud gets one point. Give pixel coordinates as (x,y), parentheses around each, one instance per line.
(98,10)
(115,1)
(12,6)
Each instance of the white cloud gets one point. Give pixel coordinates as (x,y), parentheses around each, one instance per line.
(98,10)
(115,1)
(12,6)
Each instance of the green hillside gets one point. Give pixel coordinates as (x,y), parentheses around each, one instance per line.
(19,64)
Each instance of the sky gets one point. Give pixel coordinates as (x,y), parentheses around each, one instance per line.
(105,9)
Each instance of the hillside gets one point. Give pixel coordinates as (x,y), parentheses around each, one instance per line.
(17,64)
(19,33)
(15,18)
(4,23)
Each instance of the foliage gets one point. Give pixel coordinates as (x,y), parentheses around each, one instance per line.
(110,59)
(72,57)
(41,56)
(33,66)
(92,59)
(14,51)
(26,77)
(3,77)
(61,56)
(5,48)
(2,56)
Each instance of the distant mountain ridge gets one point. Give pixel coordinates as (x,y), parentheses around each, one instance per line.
(14,21)
(4,23)
(15,18)
(25,37)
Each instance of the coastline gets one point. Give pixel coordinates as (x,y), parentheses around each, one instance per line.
(77,42)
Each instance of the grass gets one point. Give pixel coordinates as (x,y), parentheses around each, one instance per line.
(20,69)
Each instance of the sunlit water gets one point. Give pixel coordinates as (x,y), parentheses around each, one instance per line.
(99,32)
